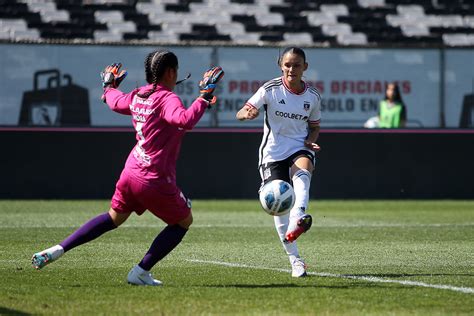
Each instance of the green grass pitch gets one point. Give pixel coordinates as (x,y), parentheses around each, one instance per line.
(364,258)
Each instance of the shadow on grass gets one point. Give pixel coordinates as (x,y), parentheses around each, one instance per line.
(8,311)
(350,286)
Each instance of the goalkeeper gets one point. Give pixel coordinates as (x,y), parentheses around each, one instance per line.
(148,180)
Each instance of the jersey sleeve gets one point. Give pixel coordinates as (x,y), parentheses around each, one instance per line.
(118,101)
(258,99)
(177,115)
(315,115)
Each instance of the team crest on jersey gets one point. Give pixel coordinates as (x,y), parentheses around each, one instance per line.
(306,105)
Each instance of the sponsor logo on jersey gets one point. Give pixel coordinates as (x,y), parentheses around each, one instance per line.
(282,101)
(292,116)
(306,105)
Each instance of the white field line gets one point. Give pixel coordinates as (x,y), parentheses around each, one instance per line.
(467,290)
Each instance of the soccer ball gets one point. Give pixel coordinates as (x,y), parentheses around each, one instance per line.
(372,122)
(277,197)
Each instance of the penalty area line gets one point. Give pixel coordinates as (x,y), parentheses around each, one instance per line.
(467,290)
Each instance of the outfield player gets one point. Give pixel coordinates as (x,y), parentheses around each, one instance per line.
(148,180)
(287,152)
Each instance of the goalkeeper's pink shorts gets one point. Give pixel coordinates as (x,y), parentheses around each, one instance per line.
(165,200)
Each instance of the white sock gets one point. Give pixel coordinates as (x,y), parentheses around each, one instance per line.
(56,251)
(301,182)
(293,258)
(281,225)
(140,270)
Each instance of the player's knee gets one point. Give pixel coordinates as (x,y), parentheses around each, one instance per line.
(186,223)
(190,220)
(118,218)
(303,162)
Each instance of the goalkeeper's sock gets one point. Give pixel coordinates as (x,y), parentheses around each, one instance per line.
(281,225)
(301,182)
(163,244)
(89,231)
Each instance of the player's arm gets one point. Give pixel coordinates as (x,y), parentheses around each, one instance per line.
(177,115)
(247,112)
(117,101)
(313,134)
(251,108)
(314,121)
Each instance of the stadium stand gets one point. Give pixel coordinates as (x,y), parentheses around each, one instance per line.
(421,23)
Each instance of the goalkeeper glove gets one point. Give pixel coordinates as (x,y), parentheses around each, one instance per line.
(112,76)
(208,83)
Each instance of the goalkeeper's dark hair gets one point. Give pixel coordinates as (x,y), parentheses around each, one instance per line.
(293,50)
(156,64)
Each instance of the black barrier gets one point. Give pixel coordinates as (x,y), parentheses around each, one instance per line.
(222,165)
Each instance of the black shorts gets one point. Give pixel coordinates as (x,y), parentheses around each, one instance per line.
(280,170)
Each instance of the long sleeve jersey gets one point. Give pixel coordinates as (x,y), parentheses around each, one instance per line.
(160,122)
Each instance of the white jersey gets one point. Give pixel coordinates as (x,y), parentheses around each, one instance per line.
(286,119)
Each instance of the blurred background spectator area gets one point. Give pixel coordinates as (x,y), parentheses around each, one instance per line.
(324,23)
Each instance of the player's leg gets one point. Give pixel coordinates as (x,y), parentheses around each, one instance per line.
(121,207)
(280,171)
(298,267)
(89,231)
(175,210)
(170,237)
(94,228)
(301,172)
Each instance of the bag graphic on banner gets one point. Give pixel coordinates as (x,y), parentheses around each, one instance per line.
(57,104)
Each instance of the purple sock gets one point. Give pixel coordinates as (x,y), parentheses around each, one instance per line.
(89,231)
(166,241)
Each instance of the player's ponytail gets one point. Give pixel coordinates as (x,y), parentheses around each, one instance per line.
(156,64)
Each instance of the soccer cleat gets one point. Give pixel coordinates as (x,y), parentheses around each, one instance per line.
(138,276)
(298,268)
(45,257)
(41,259)
(302,225)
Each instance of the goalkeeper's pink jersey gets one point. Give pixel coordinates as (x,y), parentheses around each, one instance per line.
(160,123)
